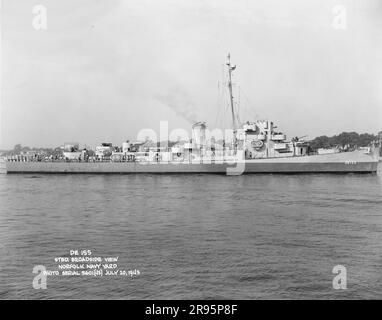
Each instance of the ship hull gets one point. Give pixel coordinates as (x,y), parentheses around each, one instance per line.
(346,162)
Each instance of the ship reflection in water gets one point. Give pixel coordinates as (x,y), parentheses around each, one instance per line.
(254,236)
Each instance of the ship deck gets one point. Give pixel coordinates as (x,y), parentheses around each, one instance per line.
(346,162)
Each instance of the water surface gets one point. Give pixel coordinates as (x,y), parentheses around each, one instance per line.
(194,236)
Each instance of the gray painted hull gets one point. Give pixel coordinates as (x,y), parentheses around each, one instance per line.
(345,162)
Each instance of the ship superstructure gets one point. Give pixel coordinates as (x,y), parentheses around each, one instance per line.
(255,147)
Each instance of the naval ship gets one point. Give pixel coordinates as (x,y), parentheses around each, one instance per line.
(255,147)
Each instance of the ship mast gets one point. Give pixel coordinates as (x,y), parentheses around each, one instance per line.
(230,69)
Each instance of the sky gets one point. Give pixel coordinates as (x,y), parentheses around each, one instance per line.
(103,70)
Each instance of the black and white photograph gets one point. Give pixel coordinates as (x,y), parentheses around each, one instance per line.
(199,151)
